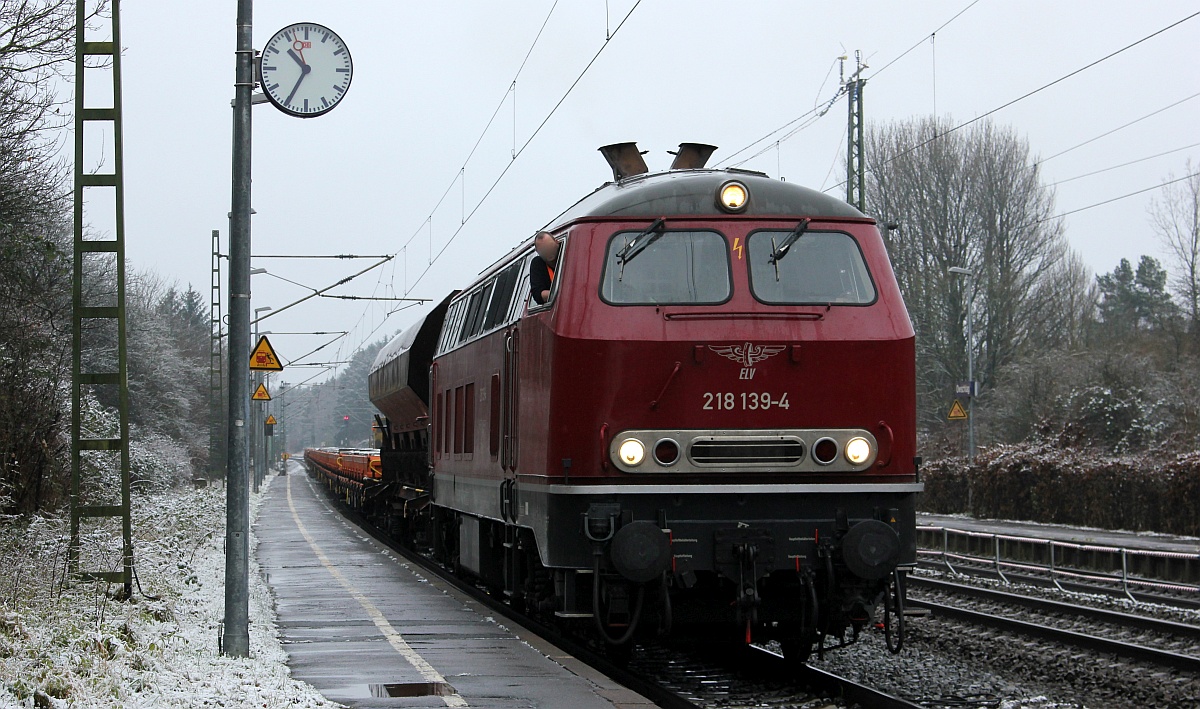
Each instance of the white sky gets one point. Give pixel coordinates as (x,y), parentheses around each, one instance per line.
(427,76)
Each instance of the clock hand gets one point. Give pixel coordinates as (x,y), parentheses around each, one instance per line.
(288,100)
(299,61)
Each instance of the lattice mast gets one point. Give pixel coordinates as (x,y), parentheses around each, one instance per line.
(90,499)
(856,175)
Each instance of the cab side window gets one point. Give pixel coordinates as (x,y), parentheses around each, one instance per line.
(539,275)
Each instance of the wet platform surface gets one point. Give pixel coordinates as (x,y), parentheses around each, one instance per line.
(367,629)
(1101,537)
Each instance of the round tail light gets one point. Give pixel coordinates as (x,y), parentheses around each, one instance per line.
(666,452)
(825,451)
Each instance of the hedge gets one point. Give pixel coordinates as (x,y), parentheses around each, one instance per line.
(1045,483)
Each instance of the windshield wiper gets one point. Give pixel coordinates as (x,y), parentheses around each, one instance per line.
(639,243)
(778,252)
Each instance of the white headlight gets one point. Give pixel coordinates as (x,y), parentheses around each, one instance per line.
(858,450)
(631,452)
(733,196)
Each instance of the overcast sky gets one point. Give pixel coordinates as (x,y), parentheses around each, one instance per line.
(365,178)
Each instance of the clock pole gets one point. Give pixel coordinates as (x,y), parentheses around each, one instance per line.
(235,640)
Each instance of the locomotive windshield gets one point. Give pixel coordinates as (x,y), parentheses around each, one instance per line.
(675,268)
(820,268)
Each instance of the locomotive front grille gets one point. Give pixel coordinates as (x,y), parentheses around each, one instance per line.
(744,450)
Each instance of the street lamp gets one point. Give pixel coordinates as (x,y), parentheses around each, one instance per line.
(970,362)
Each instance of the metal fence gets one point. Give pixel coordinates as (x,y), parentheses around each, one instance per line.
(1059,560)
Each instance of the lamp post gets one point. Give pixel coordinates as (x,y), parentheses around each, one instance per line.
(970,361)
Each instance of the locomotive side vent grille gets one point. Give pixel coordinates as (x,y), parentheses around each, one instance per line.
(747,451)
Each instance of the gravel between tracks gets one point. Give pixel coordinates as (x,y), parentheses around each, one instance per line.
(947,663)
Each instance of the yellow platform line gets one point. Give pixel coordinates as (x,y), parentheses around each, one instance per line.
(394,638)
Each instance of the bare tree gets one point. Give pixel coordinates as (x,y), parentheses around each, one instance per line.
(973,199)
(36,48)
(1175,218)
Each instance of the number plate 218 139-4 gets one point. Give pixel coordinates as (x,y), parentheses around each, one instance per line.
(744,401)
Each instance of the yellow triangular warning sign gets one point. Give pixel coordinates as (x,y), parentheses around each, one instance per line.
(263,357)
(957,412)
(261,394)
(271,420)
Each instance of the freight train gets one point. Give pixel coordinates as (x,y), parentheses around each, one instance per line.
(707,428)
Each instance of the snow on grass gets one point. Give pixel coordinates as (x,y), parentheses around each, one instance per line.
(73,645)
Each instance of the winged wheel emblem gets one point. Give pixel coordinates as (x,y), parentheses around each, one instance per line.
(747,354)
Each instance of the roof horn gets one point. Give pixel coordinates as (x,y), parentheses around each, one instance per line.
(625,160)
(691,156)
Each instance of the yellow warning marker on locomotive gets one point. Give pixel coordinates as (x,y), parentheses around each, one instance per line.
(957,412)
(261,394)
(263,357)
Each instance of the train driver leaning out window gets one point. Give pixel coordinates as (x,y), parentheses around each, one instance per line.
(541,268)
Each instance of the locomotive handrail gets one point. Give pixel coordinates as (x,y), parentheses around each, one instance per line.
(1054,568)
(670,378)
(885,461)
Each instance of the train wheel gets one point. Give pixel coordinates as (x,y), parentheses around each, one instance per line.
(797,650)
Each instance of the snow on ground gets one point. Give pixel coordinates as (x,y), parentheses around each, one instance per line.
(75,646)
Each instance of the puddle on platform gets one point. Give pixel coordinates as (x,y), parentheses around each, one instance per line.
(412,689)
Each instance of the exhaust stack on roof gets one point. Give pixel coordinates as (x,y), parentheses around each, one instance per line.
(692,156)
(625,160)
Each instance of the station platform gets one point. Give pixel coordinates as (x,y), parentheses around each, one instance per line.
(367,629)
(1148,541)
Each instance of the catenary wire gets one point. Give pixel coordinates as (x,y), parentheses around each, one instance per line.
(1116,199)
(922,40)
(1114,130)
(459,173)
(459,176)
(516,153)
(1059,80)
(1124,164)
(815,109)
(1001,107)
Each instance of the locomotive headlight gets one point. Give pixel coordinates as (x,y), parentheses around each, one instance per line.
(632,452)
(733,196)
(858,450)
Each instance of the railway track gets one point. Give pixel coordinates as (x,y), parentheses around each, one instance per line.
(1183,600)
(1133,637)
(671,677)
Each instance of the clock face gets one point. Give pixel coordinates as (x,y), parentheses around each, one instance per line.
(305,69)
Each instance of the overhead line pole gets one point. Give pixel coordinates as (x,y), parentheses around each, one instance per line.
(235,639)
(856,176)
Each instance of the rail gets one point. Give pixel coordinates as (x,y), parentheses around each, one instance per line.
(1055,565)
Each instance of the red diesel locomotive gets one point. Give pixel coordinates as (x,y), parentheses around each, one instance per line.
(709,426)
